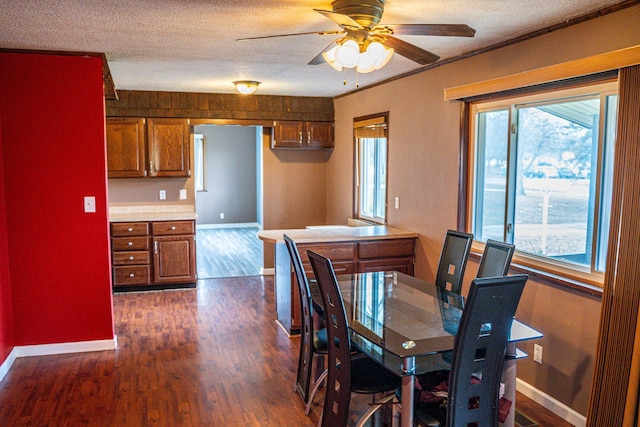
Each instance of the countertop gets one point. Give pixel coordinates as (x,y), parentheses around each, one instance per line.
(151,213)
(335,234)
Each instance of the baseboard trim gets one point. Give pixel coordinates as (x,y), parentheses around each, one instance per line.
(555,406)
(8,362)
(66,347)
(232,225)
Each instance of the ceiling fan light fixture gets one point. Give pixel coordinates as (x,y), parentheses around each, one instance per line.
(348,54)
(384,58)
(330,57)
(367,63)
(375,49)
(246,87)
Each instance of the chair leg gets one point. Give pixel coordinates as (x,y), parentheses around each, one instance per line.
(316,386)
(373,408)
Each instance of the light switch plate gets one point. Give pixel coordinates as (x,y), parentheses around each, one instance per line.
(89,204)
(163,194)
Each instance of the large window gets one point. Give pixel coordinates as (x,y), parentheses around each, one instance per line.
(371,169)
(542,175)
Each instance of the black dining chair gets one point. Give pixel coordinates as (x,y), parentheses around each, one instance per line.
(478,355)
(313,343)
(496,259)
(348,373)
(453,260)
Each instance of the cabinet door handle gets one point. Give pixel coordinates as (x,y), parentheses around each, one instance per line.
(155,247)
(300,138)
(130,258)
(129,229)
(173,228)
(308,136)
(132,275)
(130,244)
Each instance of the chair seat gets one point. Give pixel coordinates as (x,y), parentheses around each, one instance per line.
(367,376)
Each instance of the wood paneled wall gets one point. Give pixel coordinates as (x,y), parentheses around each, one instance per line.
(219,106)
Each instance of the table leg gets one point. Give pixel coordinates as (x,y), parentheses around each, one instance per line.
(409,368)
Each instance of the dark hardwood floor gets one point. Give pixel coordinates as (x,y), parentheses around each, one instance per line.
(210,356)
(228,252)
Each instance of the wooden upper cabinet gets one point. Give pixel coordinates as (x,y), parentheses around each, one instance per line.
(320,134)
(168,141)
(126,148)
(310,135)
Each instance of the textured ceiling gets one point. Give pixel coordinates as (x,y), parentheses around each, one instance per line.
(190,45)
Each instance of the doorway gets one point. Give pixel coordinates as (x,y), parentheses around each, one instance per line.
(228,183)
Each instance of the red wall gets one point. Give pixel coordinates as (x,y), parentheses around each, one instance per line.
(6,314)
(52,112)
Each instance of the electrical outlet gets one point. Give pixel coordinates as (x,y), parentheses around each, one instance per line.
(397,202)
(221,215)
(183,194)
(163,194)
(537,353)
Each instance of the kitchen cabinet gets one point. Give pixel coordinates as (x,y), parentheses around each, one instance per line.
(138,147)
(126,152)
(153,253)
(168,141)
(302,135)
(130,252)
(174,251)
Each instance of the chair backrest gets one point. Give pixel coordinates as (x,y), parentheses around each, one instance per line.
(496,259)
(338,388)
(479,350)
(305,358)
(453,260)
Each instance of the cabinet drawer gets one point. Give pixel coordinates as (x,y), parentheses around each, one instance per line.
(120,229)
(131,258)
(129,243)
(135,275)
(167,228)
(339,267)
(333,251)
(403,265)
(386,248)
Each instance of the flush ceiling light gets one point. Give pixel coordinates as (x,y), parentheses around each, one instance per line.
(365,57)
(246,87)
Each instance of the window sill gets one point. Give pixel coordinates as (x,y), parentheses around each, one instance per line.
(552,277)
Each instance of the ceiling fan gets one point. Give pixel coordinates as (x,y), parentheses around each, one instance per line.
(362,36)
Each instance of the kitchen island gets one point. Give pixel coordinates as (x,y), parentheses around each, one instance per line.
(153,246)
(351,250)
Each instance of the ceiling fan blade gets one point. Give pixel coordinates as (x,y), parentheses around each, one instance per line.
(340,19)
(319,59)
(457,30)
(410,51)
(322,33)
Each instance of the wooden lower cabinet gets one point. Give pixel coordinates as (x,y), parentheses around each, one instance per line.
(173,259)
(153,253)
(347,258)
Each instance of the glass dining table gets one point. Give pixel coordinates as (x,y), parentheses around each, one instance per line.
(409,326)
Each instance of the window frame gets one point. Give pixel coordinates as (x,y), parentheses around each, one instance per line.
(584,277)
(359,122)
(200,163)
